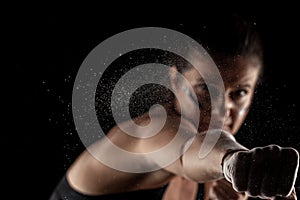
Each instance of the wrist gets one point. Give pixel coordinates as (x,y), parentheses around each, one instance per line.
(227,161)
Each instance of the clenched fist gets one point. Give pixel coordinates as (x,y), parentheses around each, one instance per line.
(263,172)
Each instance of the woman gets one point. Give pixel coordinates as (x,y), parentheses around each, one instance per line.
(241,68)
(240,79)
(88,178)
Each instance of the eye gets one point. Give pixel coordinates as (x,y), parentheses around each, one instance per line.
(241,92)
(237,94)
(208,91)
(202,86)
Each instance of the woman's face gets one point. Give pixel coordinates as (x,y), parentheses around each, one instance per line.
(239,77)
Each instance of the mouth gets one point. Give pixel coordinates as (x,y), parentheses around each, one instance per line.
(227,128)
(228,125)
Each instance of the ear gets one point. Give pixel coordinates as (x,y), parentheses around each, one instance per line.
(173,74)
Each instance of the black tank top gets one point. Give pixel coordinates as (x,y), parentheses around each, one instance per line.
(64,191)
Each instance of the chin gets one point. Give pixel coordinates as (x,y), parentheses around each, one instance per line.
(229,129)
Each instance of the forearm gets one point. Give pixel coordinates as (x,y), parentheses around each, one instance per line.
(209,167)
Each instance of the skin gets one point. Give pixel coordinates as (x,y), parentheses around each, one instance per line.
(240,78)
(89,176)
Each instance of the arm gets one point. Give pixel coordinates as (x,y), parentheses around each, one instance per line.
(222,190)
(244,172)
(208,168)
(260,172)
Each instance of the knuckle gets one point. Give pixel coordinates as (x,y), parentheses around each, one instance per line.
(242,155)
(292,153)
(258,151)
(274,148)
(257,155)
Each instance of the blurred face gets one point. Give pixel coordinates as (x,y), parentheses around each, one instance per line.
(239,77)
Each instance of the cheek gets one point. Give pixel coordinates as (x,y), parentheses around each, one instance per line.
(238,119)
(240,114)
(242,107)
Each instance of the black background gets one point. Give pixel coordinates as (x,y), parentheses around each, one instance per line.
(46,48)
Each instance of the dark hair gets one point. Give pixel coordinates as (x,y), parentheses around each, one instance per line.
(227,36)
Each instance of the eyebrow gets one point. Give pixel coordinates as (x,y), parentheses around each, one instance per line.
(200,79)
(210,81)
(243,86)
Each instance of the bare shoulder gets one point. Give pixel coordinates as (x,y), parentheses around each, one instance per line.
(144,132)
(150,132)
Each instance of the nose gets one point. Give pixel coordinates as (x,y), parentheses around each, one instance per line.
(228,105)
